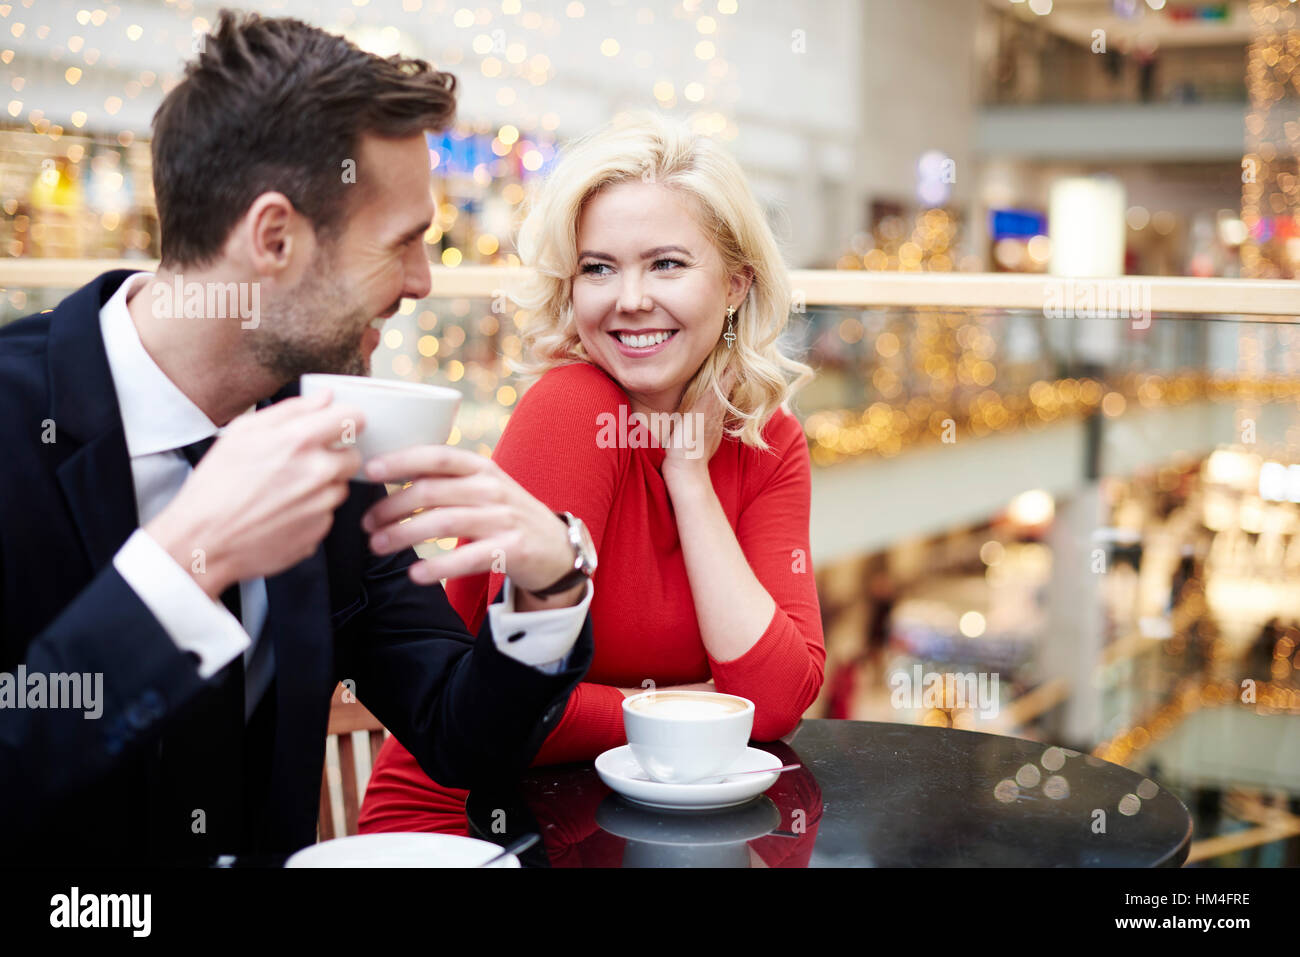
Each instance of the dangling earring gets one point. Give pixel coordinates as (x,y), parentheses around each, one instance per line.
(729,335)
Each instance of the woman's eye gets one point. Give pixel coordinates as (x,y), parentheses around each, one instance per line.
(670,262)
(590,269)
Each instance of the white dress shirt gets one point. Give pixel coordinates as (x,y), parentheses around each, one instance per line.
(158,419)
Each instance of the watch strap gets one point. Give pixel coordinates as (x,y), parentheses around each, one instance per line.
(577,574)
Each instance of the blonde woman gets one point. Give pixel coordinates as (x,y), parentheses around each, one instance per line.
(659,289)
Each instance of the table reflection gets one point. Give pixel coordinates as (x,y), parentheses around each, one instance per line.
(585,824)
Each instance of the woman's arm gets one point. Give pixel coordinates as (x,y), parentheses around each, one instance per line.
(754,592)
(732,605)
(698,686)
(593,722)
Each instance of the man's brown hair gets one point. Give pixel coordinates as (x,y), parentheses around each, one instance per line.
(278,104)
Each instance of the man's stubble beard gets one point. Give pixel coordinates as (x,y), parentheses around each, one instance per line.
(314,328)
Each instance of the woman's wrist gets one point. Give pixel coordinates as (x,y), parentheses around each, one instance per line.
(686,476)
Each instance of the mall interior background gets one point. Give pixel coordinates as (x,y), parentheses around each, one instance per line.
(1110,521)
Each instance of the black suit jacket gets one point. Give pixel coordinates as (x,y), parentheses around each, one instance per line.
(73,788)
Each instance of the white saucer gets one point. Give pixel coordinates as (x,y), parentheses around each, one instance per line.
(400,850)
(620,771)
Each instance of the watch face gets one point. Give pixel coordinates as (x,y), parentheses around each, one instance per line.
(587,546)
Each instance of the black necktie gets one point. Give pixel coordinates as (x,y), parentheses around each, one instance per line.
(193,453)
(202,759)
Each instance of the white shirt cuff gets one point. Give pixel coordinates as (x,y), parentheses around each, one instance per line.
(548,634)
(193,621)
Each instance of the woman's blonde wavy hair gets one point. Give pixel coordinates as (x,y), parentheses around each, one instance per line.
(653,149)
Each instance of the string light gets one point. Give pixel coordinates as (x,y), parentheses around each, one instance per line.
(1270,192)
(889,426)
(1190,696)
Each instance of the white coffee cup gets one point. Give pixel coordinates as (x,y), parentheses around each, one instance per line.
(399,415)
(682,736)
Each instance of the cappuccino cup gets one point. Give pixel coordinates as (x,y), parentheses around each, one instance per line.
(398,415)
(682,736)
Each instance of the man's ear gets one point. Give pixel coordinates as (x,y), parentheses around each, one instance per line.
(266,234)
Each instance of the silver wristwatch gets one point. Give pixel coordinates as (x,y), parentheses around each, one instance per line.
(584,557)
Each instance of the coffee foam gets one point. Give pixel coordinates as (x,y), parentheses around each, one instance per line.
(686,706)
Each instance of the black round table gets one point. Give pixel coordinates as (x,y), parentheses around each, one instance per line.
(869,794)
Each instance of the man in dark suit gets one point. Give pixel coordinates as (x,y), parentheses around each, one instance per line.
(210,601)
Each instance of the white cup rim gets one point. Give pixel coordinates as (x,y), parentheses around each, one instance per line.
(421,389)
(749,705)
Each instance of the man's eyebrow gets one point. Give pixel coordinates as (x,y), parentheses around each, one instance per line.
(412,233)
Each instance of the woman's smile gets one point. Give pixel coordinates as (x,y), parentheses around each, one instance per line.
(638,344)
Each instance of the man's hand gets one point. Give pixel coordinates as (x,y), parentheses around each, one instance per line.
(264,496)
(459,494)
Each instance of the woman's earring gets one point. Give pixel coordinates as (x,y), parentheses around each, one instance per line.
(729,335)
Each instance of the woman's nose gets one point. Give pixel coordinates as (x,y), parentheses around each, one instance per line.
(631,295)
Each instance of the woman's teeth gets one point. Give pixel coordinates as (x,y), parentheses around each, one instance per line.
(641,342)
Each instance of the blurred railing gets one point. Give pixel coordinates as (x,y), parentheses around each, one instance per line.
(1278,300)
